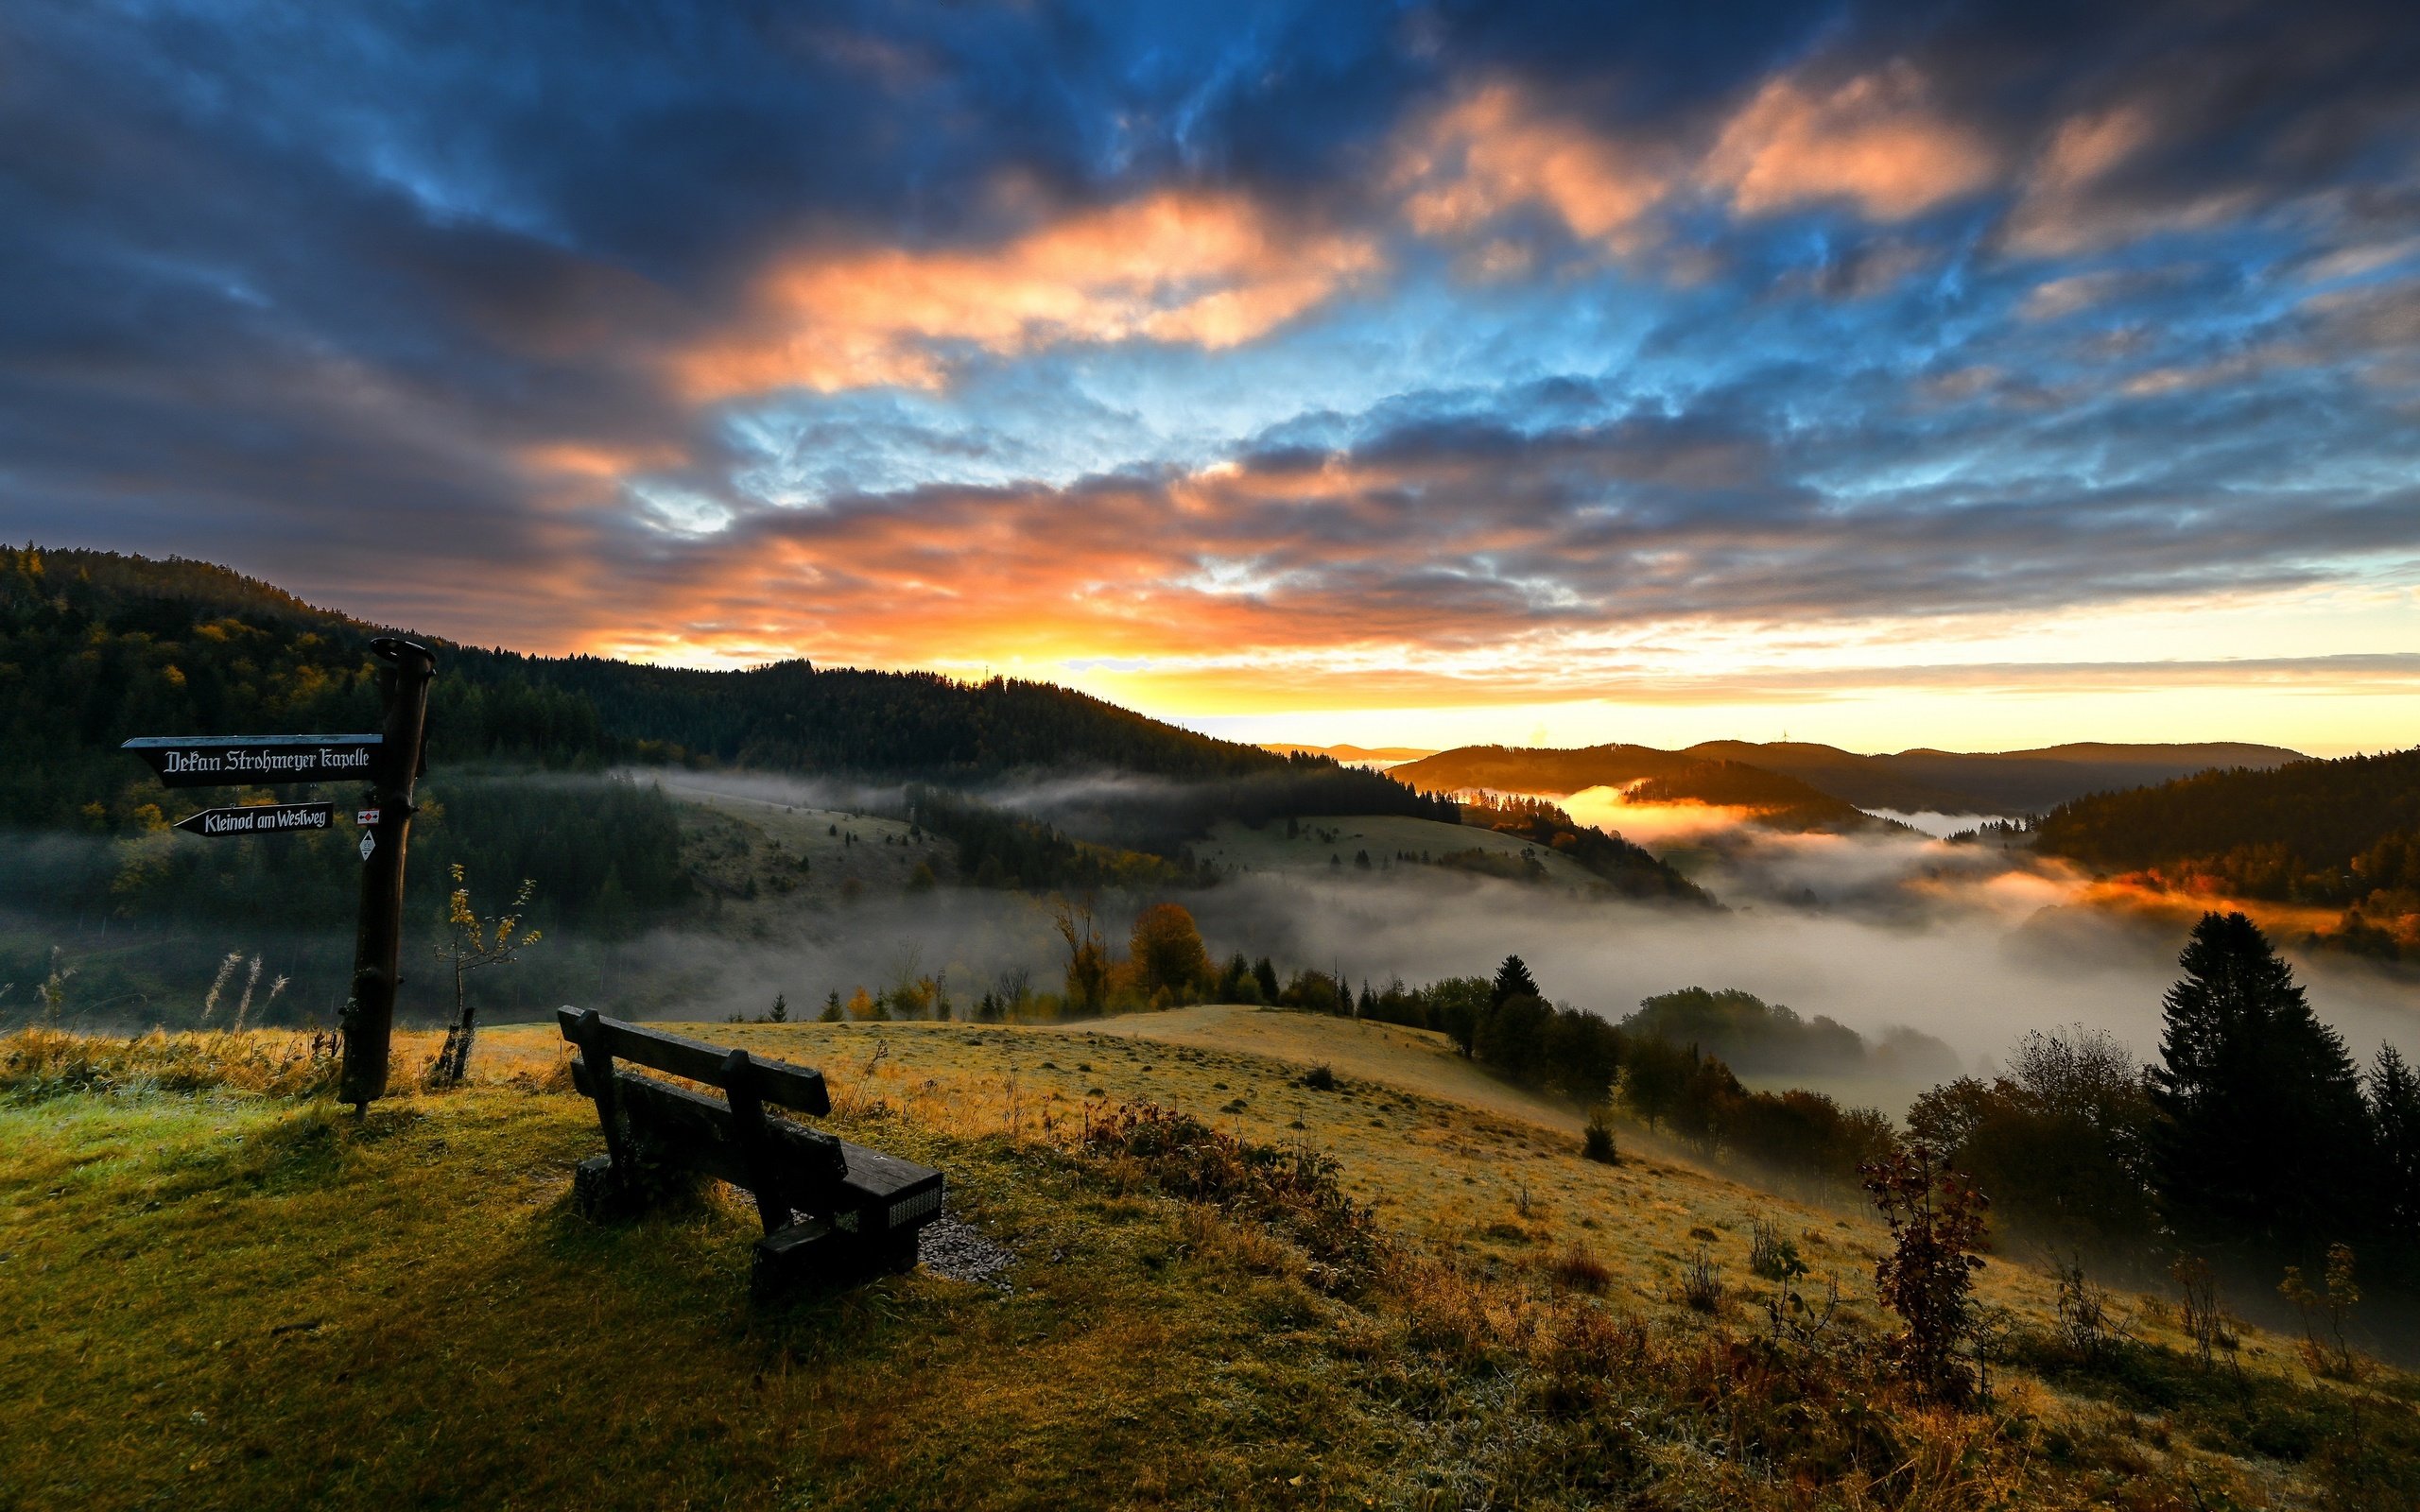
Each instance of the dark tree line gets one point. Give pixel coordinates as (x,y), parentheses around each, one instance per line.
(2338,833)
(95,647)
(996,849)
(2255,1134)
(1506,1024)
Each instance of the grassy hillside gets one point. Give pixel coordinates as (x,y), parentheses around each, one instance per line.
(234,1300)
(1332,843)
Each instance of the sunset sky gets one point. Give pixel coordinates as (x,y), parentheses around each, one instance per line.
(1977,376)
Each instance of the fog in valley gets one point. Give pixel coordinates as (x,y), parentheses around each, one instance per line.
(1971,943)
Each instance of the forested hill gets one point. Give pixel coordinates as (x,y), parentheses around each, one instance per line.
(2338,833)
(1662,776)
(2002,782)
(95,647)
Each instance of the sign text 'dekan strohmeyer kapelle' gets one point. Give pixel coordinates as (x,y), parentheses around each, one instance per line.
(237,761)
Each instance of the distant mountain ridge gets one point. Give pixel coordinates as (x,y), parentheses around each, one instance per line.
(2001,784)
(1350,753)
(1803,785)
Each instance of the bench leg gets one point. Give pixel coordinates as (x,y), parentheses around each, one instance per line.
(598,1192)
(813,1253)
(791,1257)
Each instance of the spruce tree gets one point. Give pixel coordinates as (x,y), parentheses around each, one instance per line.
(2263,1135)
(2395,1134)
(1513,980)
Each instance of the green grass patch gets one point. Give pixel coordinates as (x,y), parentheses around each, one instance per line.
(225,1298)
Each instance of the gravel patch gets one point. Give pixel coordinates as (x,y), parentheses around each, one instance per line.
(948,1247)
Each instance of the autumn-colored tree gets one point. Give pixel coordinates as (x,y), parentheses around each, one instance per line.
(472,942)
(1168,951)
(1927,1276)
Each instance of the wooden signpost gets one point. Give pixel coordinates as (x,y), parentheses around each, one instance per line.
(240,761)
(390,761)
(260,819)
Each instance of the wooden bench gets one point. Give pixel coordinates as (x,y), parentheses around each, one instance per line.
(831,1209)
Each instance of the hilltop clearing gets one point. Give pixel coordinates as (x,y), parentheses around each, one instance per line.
(1422,1061)
(1340,843)
(406,1311)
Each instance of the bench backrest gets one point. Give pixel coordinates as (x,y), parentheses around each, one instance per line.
(800,1088)
(708,1138)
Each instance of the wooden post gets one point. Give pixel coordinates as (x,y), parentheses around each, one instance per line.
(748,1121)
(599,1061)
(377,951)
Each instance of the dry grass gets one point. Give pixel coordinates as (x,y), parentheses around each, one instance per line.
(234,1300)
(40,1062)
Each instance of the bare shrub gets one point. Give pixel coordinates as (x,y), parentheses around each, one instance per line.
(2328,1314)
(1772,1254)
(1701,1281)
(1295,1190)
(2090,1325)
(2198,1313)
(1581,1268)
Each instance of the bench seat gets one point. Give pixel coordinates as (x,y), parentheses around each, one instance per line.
(831,1208)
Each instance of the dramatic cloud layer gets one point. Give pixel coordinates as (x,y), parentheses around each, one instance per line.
(1272,358)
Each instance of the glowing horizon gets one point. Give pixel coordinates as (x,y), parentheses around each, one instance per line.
(1354,375)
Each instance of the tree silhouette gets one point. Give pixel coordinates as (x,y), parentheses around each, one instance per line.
(2264,1131)
(2394,1129)
(1513,980)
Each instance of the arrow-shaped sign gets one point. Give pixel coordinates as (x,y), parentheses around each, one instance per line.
(241,761)
(260,819)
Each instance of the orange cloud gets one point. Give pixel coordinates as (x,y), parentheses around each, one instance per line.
(603,461)
(2069,204)
(1876,140)
(1210,270)
(1494,151)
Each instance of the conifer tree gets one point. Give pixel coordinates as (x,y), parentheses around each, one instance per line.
(1513,980)
(2394,1132)
(2264,1133)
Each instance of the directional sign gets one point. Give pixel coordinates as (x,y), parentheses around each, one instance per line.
(260,819)
(241,761)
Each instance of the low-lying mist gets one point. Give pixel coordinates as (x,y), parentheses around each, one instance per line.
(1974,944)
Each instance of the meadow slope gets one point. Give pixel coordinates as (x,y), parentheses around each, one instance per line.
(231,1299)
